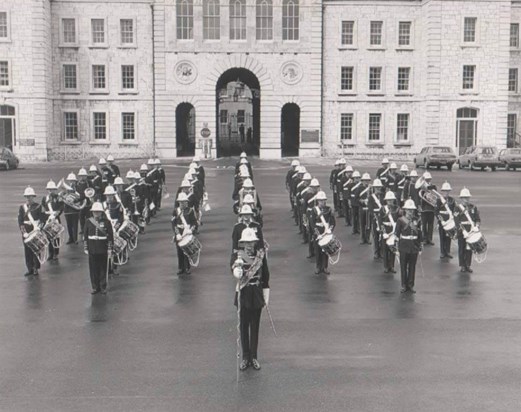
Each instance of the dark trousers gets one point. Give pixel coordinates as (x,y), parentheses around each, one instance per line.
(356,219)
(72,226)
(182,260)
(53,251)
(250,322)
(291,200)
(347,212)
(31,260)
(322,259)
(464,255)
(98,271)
(427,225)
(445,242)
(365,225)
(388,256)
(408,268)
(159,197)
(335,201)
(340,206)
(377,240)
(311,245)
(83,217)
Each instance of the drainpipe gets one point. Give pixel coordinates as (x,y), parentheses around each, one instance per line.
(153,82)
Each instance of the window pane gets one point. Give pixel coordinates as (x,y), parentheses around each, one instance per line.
(514,35)
(264,20)
(100,125)
(211,20)
(346,126)
(375,78)
(237,20)
(98,76)
(404,33)
(185,19)
(348,32)
(402,127)
(512,80)
(127,31)
(468,77)
(374,126)
(69,76)
(4,73)
(290,20)
(70,120)
(3,24)
(98,31)
(403,78)
(346,78)
(376,33)
(469,33)
(127,77)
(224,116)
(128,126)
(69,30)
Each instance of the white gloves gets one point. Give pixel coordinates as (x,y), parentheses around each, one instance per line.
(266,294)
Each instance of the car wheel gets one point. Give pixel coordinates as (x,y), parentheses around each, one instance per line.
(438,167)
(493,168)
(425,164)
(7,166)
(449,168)
(471,166)
(482,169)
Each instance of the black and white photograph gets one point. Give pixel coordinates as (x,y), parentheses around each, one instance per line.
(260,205)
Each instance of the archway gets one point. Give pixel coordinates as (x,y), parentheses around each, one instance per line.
(7,126)
(237,113)
(290,129)
(466,128)
(185,129)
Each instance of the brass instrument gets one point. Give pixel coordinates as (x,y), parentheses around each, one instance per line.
(428,195)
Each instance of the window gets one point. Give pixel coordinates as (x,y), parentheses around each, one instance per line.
(511,129)
(128,126)
(99,80)
(70,81)
(98,31)
(240,116)
(375,120)
(237,20)
(224,116)
(404,33)
(402,127)
(70,125)
(4,29)
(4,74)
(376,33)
(264,20)
(346,78)
(468,77)
(127,77)
(290,20)
(404,74)
(375,78)
(127,31)
(514,35)
(469,30)
(348,33)
(69,31)
(211,20)
(185,19)
(100,125)
(512,80)
(346,126)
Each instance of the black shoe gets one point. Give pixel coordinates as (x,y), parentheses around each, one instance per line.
(387,270)
(463,269)
(256,365)
(443,256)
(94,291)
(412,290)
(69,242)
(28,274)
(318,271)
(403,290)
(392,270)
(244,365)
(180,272)
(449,256)
(35,272)
(187,271)
(326,272)
(104,291)
(470,270)
(55,257)
(304,242)
(310,257)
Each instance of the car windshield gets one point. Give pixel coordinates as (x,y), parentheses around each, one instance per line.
(488,150)
(441,150)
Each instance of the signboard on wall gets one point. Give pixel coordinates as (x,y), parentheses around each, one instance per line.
(309,136)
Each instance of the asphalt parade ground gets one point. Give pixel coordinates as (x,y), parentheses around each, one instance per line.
(346,342)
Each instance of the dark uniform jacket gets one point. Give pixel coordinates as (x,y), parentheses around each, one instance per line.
(332,179)
(441,208)
(316,221)
(401,180)
(76,202)
(353,188)
(410,192)
(362,196)
(289,177)
(178,226)
(192,203)
(383,174)
(114,212)
(126,199)
(386,224)
(237,232)
(392,181)
(426,206)
(375,207)
(98,236)
(409,235)
(251,295)
(26,213)
(96,184)
(52,204)
(461,218)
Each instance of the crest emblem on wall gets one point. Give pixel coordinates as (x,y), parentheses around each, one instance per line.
(291,73)
(185,72)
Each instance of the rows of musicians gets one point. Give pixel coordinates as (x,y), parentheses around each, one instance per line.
(108,210)
(397,210)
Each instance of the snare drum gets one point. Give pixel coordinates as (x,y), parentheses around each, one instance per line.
(53,230)
(128,230)
(478,245)
(37,241)
(119,245)
(449,226)
(191,247)
(331,246)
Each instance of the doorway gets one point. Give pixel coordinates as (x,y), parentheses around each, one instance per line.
(7,127)
(290,130)
(466,128)
(185,129)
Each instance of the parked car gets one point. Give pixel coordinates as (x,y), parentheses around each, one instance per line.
(511,158)
(436,156)
(8,160)
(480,157)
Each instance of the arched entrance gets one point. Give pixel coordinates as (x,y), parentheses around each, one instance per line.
(238,113)
(466,128)
(290,129)
(7,126)
(185,129)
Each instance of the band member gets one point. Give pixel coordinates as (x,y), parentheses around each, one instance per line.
(243,161)
(250,268)
(392,178)
(112,166)
(462,213)
(124,197)
(72,206)
(289,176)
(134,189)
(200,170)
(427,212)
(247,189)
(52,208)
(83,184)
(445,211)
(311,202)
(401,180)
(297,178)
(306,180)
(183,224)
(305,196)
(152,179)
(344,179)
(409,190)
(98,238)
(30,218)
(95,181)
(409,234)
(339,165)
(106,175)
(362,197)
(145,193)
(257,214)
(389,215)
(354,205)
(375,203)
(323,222)
(239,181)
(116,214)
(162,182)
(382,172)
(186,187)
(246,221)
(337,184)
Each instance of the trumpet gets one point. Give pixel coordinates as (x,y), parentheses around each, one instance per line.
(134,201)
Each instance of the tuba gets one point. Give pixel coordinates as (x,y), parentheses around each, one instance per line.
(428,195)
(89,194)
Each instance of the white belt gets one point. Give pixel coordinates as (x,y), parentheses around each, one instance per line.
(443,213)
(387,223)
(409,237)
(97,237)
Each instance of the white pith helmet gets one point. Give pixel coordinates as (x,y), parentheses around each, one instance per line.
(248,199)
(366,176)
(248,183)
(295,163)
(409,204)
(377,183)
(97,207)
(185,183)
(246,210)
(390,195)
(385,160)
(413,173)
(393,166)
(465,193)
(349,168)
(82,172)
(404,168)
(306,176)
(248,235)
(182,197)
(314,183)
(71,177)
(356,173)
(109,190)
(102,161)
(130,174)
(427,176)
(93,168)
(110,158)
(144,168)
(118,181)
(321,195)
(29,191)
(51,185)
(446,187)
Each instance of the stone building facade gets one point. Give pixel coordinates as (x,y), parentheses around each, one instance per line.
(80,79)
